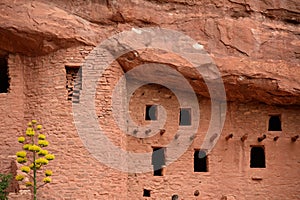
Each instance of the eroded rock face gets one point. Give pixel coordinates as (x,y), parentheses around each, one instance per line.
(36,28)
(255,44)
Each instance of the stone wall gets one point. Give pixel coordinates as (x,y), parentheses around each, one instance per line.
(229,174)
(77,174)
(254,44)
(38,90)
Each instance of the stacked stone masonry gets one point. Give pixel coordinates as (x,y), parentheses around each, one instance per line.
(40,92)
(255,45)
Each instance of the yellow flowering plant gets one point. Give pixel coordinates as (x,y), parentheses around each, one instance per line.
(49,157)
(34,148)
(43,143)
(47,180)
(25,169)
(33,156)
(21,154)
(30,131)
(41,137)
(27,146)
(21,139)
(43,152)
(48,172)
(21,160)
(20,177)
(41,161)
(29,184)
(39,127)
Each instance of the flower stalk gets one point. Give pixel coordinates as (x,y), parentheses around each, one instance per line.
(34,157)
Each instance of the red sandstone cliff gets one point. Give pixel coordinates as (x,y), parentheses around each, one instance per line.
(254,43)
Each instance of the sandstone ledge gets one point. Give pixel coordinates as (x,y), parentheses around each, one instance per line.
(255,44)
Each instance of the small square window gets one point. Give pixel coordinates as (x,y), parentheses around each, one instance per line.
(151,112)
(257,157)
(185,117)
(274,123)
(146,193)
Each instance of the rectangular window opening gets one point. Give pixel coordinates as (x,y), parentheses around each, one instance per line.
(257,157)
(73,83)
(4,76)
(200,161)
(185,117)
(151,112)
(274,123)
(158,160)
(147,193)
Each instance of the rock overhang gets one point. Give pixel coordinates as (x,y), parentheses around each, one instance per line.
(256,52)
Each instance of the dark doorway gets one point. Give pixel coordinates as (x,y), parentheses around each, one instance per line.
(158,160)
(200,161)
(4,78)
(257,157)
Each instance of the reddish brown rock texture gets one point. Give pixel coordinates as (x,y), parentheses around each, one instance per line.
(255,45)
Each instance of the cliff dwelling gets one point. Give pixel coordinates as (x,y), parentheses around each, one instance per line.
(154,99)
